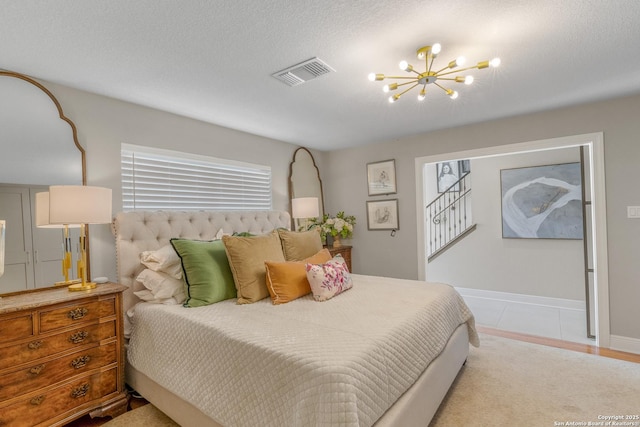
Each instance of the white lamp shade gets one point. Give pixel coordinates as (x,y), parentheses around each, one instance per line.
(79,204)
(305,207)
(42,212)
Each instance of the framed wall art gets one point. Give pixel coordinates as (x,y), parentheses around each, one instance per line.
(464,166)
(382,215)
(448,175)
(381,177)
(542,202)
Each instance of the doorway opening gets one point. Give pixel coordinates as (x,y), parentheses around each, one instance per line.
(594,164)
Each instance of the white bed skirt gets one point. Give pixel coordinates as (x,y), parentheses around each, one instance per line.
(414,408)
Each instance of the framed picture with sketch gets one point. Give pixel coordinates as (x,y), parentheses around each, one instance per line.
(382,215)
(448,175)
(381,177)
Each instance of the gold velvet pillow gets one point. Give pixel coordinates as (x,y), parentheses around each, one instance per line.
(287,281)
(298,245)
(246,258)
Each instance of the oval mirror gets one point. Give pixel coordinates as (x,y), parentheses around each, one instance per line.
(39,148)
(304,178)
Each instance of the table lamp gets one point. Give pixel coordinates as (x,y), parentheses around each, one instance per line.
(42,221)
(305,208)
(84,205)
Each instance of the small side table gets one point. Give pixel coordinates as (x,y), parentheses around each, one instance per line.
(343,250)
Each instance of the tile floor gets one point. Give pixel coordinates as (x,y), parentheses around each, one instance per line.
(551,322)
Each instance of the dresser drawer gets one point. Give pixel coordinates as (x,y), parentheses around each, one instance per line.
(68,315)
(15,327)
(41,347)
(36,408)
(39,375)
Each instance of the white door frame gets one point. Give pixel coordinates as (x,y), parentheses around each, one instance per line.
(592,141)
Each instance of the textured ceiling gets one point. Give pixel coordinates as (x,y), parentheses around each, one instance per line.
(212,59)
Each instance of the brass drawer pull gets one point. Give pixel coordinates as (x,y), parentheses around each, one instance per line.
(34,345)
(80,362)
(36,369)
(78,337)
(80,391)
(77,313)
(37,400)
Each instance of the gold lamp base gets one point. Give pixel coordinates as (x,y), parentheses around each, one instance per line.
(78,287)
(67,282)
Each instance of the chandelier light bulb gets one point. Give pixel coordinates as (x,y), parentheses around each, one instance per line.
(405,66)
(391,86)
(495,62)
(435,49)
(394,98)
(468,80)
(452,94)
(422,95)
(372,77)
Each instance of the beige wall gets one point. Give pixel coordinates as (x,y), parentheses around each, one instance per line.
(376,252)
(104,123)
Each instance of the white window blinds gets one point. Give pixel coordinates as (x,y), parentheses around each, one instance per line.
(163,179)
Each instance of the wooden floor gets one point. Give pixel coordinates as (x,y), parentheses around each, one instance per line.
(582,348)
(86,421)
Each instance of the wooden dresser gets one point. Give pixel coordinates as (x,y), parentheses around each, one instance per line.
(345,251)
(61,355)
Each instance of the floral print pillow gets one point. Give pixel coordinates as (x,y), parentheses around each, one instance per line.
(329,279)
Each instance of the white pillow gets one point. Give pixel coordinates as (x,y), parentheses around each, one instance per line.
(164,260)
(221,233)
(161,287)
(147,296)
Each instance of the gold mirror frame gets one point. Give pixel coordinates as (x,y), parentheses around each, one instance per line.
(64,118)
(304,178)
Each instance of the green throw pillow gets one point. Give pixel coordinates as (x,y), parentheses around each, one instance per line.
(206,271)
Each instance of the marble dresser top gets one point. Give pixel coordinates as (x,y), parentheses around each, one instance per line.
(45,296)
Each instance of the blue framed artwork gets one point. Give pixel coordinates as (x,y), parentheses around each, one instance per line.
(542,202)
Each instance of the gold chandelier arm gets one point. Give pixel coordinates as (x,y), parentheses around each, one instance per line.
(457,70)
(407,90)
(401,77)
(444,89)
(408,83)
(442,69)
(431,64)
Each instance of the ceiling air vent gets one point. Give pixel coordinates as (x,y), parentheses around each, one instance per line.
(303,72)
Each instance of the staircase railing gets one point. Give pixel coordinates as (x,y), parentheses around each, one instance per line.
(449,216)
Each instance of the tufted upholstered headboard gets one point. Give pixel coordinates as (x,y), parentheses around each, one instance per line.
(150,230)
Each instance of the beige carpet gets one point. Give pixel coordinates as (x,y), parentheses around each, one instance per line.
(508,382)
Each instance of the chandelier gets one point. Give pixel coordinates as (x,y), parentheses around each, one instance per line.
(429,53)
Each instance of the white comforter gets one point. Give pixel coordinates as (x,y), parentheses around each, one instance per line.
(341,362)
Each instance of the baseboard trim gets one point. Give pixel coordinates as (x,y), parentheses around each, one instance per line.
(567,304)
(626,344)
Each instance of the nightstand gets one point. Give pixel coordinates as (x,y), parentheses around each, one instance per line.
(345,251)
(61,355)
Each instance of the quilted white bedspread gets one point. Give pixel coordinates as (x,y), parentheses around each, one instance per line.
(341,362)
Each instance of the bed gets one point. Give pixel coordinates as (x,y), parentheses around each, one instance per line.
(383,353)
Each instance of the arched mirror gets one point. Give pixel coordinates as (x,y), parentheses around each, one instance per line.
(304,178)
(38,147)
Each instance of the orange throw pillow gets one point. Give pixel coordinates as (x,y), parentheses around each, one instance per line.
(287,281)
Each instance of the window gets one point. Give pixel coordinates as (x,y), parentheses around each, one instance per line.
(163,179)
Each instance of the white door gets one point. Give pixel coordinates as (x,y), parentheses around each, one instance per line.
(15,208)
